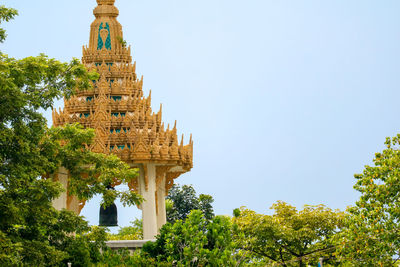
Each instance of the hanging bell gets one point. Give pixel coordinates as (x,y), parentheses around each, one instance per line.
(108,216)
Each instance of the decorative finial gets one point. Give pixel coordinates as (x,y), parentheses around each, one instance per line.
(105,8)
(105,2)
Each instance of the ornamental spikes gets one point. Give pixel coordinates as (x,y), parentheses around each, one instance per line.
(146,126)
(165,149)
(153,131)
(181,150)
(149,98)
(173,149)
(146,138)
(159,115)
(174,137)
(140,150)
(141,83)
(155,149)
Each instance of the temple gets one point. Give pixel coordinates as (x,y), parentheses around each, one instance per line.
(124,122)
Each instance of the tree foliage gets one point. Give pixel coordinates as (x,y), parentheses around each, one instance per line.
(6,14)
(288,237)
(195,242)
(32,232)
(182,200)
(372,234)
(133,232)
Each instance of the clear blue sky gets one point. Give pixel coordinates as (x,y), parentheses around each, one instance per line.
(286,100)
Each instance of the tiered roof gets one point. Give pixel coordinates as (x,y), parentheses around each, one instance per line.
(122,117)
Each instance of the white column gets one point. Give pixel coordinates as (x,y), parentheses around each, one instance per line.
(161,215)
(62,177)
(149,204)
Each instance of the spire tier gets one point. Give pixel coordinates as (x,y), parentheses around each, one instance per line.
(116,108)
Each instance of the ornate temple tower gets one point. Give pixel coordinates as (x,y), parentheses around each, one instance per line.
(124,122)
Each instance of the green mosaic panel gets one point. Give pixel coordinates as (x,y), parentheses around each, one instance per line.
(100,43)
(108,40)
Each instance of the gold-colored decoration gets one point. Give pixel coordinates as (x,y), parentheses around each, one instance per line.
(156,198)
(134,185)
(169,180)
(117,109)
(160,174)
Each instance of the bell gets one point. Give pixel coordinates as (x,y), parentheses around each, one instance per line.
(108,216)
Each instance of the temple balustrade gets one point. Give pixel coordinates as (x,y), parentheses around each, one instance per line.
(114,70)
(122,104)
(121,55)
(122,86)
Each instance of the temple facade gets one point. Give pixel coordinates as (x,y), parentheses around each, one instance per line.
(124,122)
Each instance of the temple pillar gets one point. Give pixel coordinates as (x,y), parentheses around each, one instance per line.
(74,204)
(62,177)
(161,212)
(65,201)
(147,183)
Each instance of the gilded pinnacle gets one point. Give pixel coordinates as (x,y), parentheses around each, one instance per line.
(106,8)
(124,122)
(105,2)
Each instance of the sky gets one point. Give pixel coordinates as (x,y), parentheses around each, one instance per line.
(286,100)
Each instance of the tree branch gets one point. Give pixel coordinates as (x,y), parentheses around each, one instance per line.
(280,253)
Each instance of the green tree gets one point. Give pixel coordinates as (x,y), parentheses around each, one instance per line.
(195,242)
(6,14)
(133,232)
(123,258)
(182,200)
(288,237)
(32,232)
(372,236)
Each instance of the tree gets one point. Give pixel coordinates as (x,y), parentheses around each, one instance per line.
(32,232)
(288,237)
(372,236)
(195,242)
(182,200)
(134,232)
(6,14)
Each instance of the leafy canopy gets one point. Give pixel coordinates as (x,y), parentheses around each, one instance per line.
(6,14)
(133,232)
(182,200)
(288,237)
(195,242)
(372,234)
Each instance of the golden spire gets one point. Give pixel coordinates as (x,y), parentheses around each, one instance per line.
(106,8)
(106,41)
(116,107)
